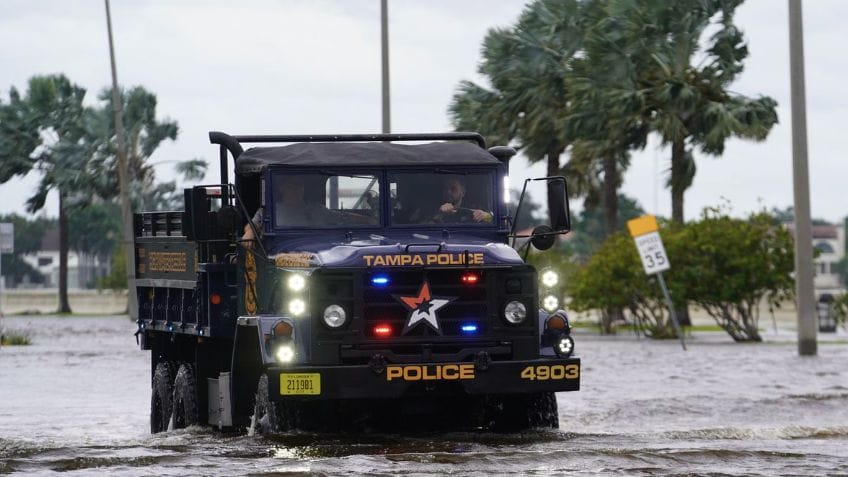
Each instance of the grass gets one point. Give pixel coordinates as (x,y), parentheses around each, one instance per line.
(630,327)
(14,338)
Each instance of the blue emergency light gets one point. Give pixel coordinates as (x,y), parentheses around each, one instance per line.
(380,280)
(469,329)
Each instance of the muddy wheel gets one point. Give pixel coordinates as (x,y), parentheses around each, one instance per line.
(161,396)
(542,411)
(268,416)
(518,413)
(185,397)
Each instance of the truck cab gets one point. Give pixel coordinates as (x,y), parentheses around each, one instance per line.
(342,278)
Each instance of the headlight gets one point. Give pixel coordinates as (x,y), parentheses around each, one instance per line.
(550,278)
(296,282)
(515,312)
(297,307)
(564,346)
(550,303)
(284,353)
(334,316)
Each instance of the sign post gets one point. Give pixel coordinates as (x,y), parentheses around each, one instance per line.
(7,245)
(646,234)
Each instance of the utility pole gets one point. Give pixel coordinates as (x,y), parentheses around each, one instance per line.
(123,176)
(807,344)
(384,35)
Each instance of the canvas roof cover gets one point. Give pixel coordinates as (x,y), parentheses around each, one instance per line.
(256,159)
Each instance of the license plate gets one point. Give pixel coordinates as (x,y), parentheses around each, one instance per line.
(300,384)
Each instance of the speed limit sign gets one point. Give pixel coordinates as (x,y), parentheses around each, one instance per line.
(645,232)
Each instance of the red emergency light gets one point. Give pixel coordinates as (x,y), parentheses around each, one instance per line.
(382,330)
(470,278)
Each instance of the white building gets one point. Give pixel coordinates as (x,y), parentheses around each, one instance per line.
(829,241)
(83,269)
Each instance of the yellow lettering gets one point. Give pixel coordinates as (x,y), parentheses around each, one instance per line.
(417,260)
(431,258)
(367,259)
(450,372)
(426,376)
(478,258)
(412,373)
(466,371)
(379,261)
(393,372)
(443,259)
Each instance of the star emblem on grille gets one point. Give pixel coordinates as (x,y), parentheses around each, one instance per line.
(423,307)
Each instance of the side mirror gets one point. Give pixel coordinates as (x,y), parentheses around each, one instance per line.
(543,237)
(558,204)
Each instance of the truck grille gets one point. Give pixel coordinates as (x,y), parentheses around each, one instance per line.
(475,306)
(467,308)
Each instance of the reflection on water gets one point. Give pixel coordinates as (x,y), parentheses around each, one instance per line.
(76,402)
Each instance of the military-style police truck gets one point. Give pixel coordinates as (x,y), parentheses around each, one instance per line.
(348,279)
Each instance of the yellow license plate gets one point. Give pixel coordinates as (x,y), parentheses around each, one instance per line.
(292,384)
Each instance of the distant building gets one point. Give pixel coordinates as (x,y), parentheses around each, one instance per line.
(83,269)
(829,241)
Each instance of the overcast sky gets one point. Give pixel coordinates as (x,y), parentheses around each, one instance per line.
(276,67)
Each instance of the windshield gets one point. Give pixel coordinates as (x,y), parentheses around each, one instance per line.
(442,197)
(326,200)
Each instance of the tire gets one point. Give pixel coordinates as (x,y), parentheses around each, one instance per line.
(268,416)
(542,411)
(161,398)
(185,397)
(519,413)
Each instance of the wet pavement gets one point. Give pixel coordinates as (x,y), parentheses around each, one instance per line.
(76,402)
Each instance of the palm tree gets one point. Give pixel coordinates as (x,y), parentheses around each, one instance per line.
(43,131)
(680,79)
(144,133)
(527,66)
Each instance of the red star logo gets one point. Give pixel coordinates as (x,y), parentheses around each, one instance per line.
(423,307)
(413,302)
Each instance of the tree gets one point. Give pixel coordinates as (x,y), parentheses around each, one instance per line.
(95,231)
(527,67)
(680,80)
(28,237)
(590,227)
(45,132)
(144,133)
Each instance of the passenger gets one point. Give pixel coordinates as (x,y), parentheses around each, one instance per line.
(289,209)
(453,206)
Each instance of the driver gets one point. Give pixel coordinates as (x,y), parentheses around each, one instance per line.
(454,207)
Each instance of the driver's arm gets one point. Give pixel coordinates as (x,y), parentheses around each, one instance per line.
(480,215)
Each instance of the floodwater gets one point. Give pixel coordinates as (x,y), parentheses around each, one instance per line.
(76,402)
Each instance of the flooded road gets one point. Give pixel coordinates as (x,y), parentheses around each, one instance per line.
(76,402)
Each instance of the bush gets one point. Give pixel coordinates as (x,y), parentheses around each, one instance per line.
(117,277)
(614,278)
(14,338)
(729,266)
(726,266)
(840,310)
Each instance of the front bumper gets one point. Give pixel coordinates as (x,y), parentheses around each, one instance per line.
(401,380)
